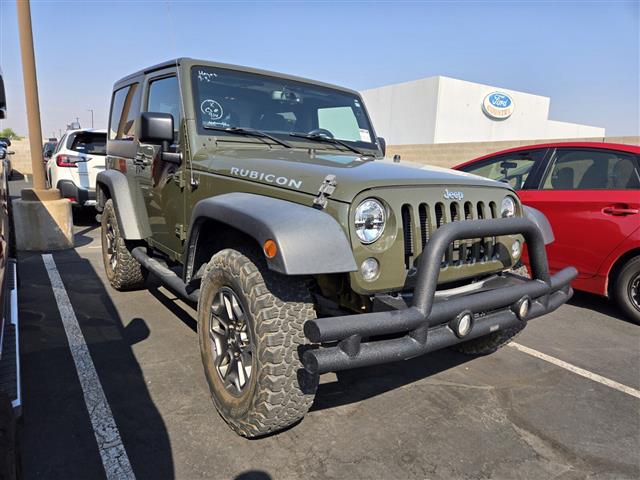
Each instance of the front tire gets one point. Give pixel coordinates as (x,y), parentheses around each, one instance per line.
(250,326)
(122,269)
(626,289)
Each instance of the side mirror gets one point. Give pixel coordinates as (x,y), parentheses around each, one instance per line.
(156,128)
(3,99)
(48,154)
(383,145)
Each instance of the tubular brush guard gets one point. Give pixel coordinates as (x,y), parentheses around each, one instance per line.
(426,323)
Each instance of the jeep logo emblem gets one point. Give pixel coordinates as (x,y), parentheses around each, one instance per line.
(452,195)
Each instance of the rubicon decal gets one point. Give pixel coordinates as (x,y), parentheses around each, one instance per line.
(266,177)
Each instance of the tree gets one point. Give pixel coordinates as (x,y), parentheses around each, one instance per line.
(10,134)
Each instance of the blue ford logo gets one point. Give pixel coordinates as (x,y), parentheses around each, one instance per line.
(499,100)
(497,105)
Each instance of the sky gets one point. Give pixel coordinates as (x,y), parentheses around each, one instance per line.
(584,55)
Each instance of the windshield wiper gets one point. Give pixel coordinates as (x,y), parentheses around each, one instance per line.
(334,141)
(249,132)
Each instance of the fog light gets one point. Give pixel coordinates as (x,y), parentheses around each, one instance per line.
(462,324)
(370,269)
(516,249)
(522,308)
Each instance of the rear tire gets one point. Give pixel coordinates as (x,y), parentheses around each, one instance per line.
(490,343)
(122,269)
(265,389)
(626,289)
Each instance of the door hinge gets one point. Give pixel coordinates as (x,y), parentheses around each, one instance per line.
(178,177)
(326,189)
(181,232)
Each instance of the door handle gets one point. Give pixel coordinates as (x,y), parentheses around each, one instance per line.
(620,211)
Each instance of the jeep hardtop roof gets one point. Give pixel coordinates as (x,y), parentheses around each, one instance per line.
(189,62)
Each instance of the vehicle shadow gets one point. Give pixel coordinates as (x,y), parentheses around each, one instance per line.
(353,386)
(57,437)
(171,303)
(598,304)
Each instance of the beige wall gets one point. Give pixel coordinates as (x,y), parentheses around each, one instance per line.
(439,154)
(450,154)
(21,160)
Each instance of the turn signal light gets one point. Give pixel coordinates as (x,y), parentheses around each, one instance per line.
(270,248)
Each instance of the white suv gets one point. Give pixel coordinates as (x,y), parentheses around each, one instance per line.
(73,166)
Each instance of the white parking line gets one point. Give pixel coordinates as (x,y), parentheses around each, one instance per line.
(577,370)
(114,457)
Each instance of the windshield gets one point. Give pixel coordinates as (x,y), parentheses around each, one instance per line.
(228,98)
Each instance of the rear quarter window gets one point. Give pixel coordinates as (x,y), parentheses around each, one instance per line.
(89,143)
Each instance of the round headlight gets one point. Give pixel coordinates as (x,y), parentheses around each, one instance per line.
(508,208)
(369,221)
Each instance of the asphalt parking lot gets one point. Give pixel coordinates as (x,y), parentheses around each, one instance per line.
(445,415)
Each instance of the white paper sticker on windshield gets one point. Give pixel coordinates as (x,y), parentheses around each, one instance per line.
(364,135)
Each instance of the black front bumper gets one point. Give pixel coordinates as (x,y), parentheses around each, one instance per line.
(425,325)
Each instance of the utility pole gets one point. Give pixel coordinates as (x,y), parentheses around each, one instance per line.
(31,92)
(91,110)
(42,219)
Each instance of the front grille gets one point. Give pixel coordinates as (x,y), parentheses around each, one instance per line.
(431,217)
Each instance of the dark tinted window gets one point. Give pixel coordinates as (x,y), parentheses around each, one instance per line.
(91,143)
(592,170)
(164,97)
(513,168)
(49,147)
(125,108)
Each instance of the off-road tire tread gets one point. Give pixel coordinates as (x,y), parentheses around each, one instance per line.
(620,289)
(490,343)
(128,274)
(280,400)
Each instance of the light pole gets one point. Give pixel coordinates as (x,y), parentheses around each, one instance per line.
(42,219)
(31,93)
(91,110)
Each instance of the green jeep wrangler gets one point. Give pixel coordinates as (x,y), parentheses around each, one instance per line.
(265,199)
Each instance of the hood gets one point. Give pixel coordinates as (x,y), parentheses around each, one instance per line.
(300,170)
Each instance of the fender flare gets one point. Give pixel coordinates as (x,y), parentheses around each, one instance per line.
(540,219)
(309,240)
(132,226)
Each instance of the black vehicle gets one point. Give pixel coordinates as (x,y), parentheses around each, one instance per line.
(10,399)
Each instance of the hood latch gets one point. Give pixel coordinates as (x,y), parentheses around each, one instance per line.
(326,189)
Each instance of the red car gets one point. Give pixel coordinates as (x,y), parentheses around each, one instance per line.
(590,192)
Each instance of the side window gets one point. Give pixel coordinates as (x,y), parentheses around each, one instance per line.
(125,108)
(164,97)
(513,168)
(592,170)
(61,143)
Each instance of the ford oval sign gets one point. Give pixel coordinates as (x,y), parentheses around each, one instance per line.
(497,105)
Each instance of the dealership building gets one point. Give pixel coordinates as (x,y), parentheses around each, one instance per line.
(440,109)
